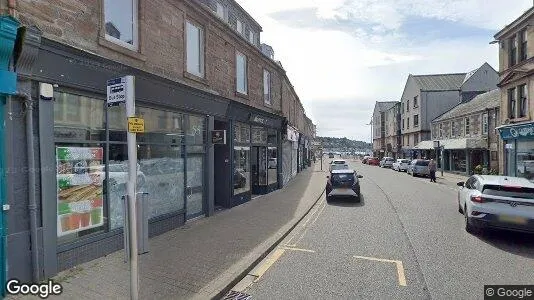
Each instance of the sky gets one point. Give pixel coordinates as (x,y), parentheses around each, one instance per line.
(344,55)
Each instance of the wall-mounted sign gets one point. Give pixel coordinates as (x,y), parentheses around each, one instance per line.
(218,137)
(136,125)
(116,91)
(292,135)
(262,120)
(521,131)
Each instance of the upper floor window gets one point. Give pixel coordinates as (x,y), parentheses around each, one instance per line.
(195,49)
(512,54)
(251,37)
(451,129)
(485,124)
(415,102)
(511,103)
(522,97)
(239,27)
(416,121)
(120,18)
(220,11)
(267,87)
(466,126)
(408,123)
(407,105)
(523,46)
(402,123)
(402,106)
(415,139)
(440,130)
(241,73)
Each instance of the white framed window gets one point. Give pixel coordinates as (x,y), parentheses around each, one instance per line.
(239,27)
(241,73)
(251,37)
(220,10)
(120,22)
(195,49)
(466,126)
(267,87)
(484,123)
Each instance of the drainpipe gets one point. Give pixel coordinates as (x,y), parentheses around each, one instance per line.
(32,205)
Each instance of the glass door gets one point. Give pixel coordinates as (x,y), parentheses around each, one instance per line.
(195,181)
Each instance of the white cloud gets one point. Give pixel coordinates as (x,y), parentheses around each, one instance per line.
(341,70)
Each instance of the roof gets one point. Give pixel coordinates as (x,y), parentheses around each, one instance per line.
(481,102)
(385,105)
(468,75)
(440,82)
(514,23)
(505,180)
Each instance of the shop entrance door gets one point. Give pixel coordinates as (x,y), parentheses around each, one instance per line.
(195,181)
(259,163)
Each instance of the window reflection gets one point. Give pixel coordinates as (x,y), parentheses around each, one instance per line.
(272,165)
(241,170)
(525,159)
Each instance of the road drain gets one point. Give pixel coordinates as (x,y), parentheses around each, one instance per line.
(233,295)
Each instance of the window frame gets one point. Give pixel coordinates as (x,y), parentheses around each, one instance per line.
(485,124)
(523,45)
(415,105)
(245,72)
(267,98)
(522,96)
(224,15)
(512,103)
(408,123)
(252,37)
(202,49)
(239,24)
(135,24)
(512,51)
(467,126)
(416,118)
(440,130)
(407,105)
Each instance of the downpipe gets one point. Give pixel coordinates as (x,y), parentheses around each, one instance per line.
(27,103)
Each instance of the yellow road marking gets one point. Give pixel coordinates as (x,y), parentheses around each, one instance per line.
(304,224)
(268,263)
(297,249)
(398,263)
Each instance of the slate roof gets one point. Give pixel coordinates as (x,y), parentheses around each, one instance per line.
(489,99)
(440,82)
(469,75)
(386,105)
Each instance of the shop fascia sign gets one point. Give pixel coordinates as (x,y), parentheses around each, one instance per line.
(523,131)
(261,120)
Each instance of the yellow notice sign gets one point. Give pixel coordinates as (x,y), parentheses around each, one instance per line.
(136,125)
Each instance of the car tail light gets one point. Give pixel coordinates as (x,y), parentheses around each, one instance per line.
(475,213)
(477,199)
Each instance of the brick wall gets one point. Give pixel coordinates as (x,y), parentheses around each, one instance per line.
(79,23)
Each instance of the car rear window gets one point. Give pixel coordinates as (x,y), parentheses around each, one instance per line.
(405,161)
(423,163)
(504,191)
(342,179)
(339,162)
(339,167)
(390,159)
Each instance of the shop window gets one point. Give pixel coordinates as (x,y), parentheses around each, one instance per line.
(259,135)
(241,170)
(78,118)
(195,49)
(525,159)
(196,130)
(272,165)
(121,22)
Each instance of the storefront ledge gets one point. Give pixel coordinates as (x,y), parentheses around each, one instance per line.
(195,78)
(110,45)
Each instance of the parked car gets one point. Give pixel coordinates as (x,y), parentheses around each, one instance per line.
(373,161)
(387,162)
(343,184)
(418,167)
(500,202)
(331,155)
(365,158)
(401,165)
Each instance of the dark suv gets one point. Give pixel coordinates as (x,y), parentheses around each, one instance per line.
(343,184)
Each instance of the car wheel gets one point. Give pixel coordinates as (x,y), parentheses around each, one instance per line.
(413,174)
(469,227)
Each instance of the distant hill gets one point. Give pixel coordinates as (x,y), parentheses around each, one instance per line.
(340,144)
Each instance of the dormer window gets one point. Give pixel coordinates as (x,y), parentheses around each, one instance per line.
(239,27)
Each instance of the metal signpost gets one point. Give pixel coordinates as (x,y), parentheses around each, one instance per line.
(122,90)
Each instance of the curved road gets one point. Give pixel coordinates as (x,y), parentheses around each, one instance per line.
(404,241)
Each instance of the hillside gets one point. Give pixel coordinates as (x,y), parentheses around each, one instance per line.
(342,143)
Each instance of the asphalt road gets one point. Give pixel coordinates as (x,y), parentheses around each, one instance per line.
(404,241)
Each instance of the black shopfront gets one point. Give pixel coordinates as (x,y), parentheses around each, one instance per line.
(255,142)
(75,131)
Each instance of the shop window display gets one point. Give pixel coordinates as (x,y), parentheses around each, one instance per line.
(272,165)
(241,169)
(525,159)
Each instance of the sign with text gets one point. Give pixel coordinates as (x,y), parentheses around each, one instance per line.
(218,137)
(520,131)
(117,90)
(136,125)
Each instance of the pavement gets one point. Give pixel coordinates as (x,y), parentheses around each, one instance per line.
(205,257)
(405,240)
